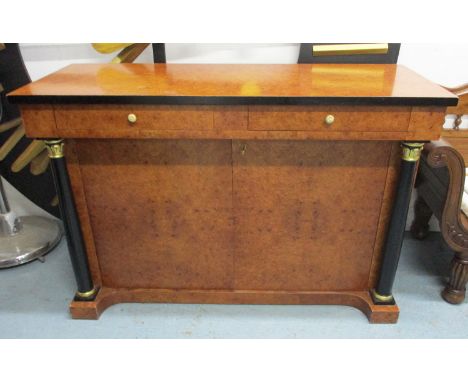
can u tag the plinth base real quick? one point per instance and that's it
(378, 314)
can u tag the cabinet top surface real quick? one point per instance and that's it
(226, 84)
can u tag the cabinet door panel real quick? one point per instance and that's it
(306, 213)
(161, 211)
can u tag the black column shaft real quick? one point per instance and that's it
(392, 248)
(71, 225)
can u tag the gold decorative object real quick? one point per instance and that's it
(109, 47)
(132, 118)
(129, 54)
(87, 294)
(55, 148)
(348, 49)
(411, 151)
(380, 297)
(329, 119)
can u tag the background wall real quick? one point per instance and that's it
(445, 64)
(442, 63)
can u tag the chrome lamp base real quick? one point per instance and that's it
(34, 237)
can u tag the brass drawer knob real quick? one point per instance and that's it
(132, 118)
(329, 119)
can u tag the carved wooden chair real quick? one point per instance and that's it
(441, 192)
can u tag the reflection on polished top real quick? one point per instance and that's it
(235, 84)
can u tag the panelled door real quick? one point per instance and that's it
(306, 213)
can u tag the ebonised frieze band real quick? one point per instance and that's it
(230, 100)
(75, 242)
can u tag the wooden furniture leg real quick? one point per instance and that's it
(86, 290)
(422, 215)
(454, 292)
(382, 294)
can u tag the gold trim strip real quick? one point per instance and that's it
(55, 148)
(87, 294)
(411, 152)
(348, 49)
(381, 297)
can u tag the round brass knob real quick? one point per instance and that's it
(132, 118)
(329, 119)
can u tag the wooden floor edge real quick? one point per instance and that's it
(385, 314)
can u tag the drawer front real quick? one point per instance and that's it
(340, 118)
(105, 117)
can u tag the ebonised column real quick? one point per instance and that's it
(382, 294)
(76, 247)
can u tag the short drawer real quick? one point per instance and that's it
(340, 118)
(121, 117)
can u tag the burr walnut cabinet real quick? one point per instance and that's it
(259, 184)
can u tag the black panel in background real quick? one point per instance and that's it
(13, 74)
(39, 189)
(391, 57)
(159, 53)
